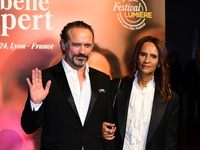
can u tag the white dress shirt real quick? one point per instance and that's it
(139, 114)
(81, 94)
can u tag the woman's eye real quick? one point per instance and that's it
(142, 54)
(153, 56)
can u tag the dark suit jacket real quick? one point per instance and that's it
(163, 122)
(59, 118)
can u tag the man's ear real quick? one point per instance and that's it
(63, 45)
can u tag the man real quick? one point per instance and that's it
(75, 100)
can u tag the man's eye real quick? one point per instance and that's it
(76, 44)
(87, 45)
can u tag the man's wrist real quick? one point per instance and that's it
(35, 107)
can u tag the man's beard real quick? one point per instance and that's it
(79, 62)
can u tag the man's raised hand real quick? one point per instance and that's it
(37, 92)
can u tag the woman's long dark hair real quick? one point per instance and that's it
(161, 74)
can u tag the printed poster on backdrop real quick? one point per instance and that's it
(30, 36)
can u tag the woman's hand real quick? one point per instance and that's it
(108, 130)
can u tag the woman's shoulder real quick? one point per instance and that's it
(174, 94)
(174, 97)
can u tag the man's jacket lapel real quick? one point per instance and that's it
(94, 87)
(61, 79)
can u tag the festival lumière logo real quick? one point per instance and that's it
(132, 14)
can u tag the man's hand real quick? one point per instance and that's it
(37, 92)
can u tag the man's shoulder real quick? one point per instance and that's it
(54, 67)
(93, 70)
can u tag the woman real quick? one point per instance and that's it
(146, 109)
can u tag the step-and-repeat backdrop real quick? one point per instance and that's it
(29, 38)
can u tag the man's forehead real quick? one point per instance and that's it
(77, 30)
(80, 33)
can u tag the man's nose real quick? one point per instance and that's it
(82, 49)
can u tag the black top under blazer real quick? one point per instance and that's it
(163, 126)
(59, 118)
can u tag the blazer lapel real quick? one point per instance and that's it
(94, 87)
(61, 79)
(158, 110)
(123, 97)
